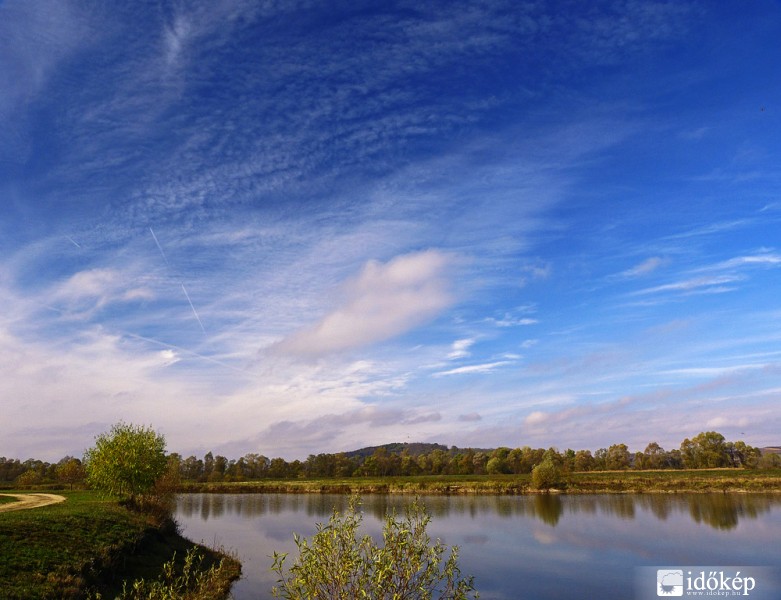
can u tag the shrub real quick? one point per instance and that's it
(338, 565)
(546, 475)
(194, 582)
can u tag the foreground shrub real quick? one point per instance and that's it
(338, 565)
(193, 583)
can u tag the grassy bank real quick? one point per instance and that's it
(705, 480)
(86, 543)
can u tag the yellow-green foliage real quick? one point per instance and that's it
(126, 460)
(337, 564)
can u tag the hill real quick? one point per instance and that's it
(412, 448)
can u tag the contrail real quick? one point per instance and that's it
(159, 247)
(184, 289)
(188, 351)
(72, 241)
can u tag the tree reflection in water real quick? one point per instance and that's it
(720, 511)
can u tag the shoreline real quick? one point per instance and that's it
(600, 482)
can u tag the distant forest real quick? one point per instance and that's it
(706, 450)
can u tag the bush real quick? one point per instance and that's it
(194, 582)
(338, 565)
(546, 475)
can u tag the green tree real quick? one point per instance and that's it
(337, 564)
(617, 457)
(127, 460)
(584, 461)
(546, 474)
(706, 450)
(70, 471)
(654, 456)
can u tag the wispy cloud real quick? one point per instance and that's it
(709, 285)
(767, 259)
(646, 267)
(384, 301)
(460, 348)
(469, 369)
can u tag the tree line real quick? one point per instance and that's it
(706, 450)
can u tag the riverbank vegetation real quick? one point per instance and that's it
(595, 482)
(706, 450)
(89, 544)
(117, 544)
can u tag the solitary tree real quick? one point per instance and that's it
(126, 460)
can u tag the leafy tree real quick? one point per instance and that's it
(496, 466)
(28, 478)
(546, 474)
(70, 471)
(742, 455)
(126, 460)
(338, 565)
(706, 450)
(617, 457)
(654, 456)
(769, 460)
(583, 460)
(191, 468)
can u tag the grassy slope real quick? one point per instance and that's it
(705, 480)
(60, 551)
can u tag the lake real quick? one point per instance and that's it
(537, 547)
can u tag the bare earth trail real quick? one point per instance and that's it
(30, 501)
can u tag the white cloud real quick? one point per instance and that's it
(481, 368)
(509, 321)
(95, 288)
(714, 284)
(767, 259)
(460, 349)
(384, 301)
(535, 271)
(644, 268)
(535, 418)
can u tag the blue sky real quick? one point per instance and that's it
(309, 227)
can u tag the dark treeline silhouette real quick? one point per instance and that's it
(705, 450)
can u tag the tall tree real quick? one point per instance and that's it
(126, 460)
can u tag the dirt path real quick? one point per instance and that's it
(30, 501)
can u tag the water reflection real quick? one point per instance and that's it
(545, 547)
(720, 511)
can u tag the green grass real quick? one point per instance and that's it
(703, 480)
(6, 499)
(86, 542)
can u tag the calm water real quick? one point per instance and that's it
(536, 547)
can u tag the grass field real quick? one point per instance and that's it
(705, 480)
(86, 542)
